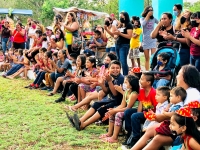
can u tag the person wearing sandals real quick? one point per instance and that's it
(113, 98)
(72, 84)
(116, 114)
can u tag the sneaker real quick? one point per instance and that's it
(60, 100)
(44, 88)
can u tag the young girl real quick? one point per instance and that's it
(18, 59)
(182, 123)
(116, 114)
(39, 71)
(90, 72)
(24, 70)
(48, 81)
(7, 61)
(72, 83)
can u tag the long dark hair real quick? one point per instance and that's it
(191, 76)
(169, 15)
(134, 82)
(61, 35)
(145, 12)
(191, 128)
(196, 112)
(126, 15)
(83, 60)
(92, 60)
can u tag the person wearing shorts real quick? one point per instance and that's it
(134, 52)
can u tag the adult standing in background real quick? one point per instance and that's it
(31, 32)
(114, 20)
(177, 9)
(71, 27)
(147, 22)
(5, 35)
(123, 35)
(108, 34)
(18, 37)
(27, 27)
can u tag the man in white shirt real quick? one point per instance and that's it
(31, 32)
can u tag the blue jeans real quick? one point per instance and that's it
(127, 118)
(4, 46)
(54, 76)
(122, 53)
(184, 57)
(161, 82)
(136, 120)
(110, 49)
(14, 69)
(195, 61)
(40, 77)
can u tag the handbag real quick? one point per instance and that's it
(141, 49)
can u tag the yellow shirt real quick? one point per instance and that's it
(135, 42)
(178, 23)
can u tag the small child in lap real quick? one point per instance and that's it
(162, 79)
(116, 114)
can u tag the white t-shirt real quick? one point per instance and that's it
(114, 23)
(45, 44)
(192, 95)
(31, 32)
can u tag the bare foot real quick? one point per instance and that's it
(24, 78)
(10, 77)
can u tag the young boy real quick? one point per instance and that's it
(162, 79)
(177, 96)
(113, 98)
(134, 117)
(93, 43)
(162, 97)
(135, 43)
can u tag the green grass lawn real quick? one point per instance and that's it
(31, 120)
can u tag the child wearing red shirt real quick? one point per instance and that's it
(134, 117)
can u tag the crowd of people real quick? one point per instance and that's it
(154, 114)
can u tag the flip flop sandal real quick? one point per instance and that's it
(109, 140)
(70, 119)
(77, 122)
(104, 136)
(50, 94)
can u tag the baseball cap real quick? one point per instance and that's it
(49, 28)
(112, 15)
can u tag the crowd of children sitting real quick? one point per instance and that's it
(141, 103)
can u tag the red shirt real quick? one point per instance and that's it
(195, 49)
(149, 101)
(17, 37)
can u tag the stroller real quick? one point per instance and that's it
(172, 48)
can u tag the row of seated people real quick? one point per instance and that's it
(135, 102)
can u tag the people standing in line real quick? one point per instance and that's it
(147, 22)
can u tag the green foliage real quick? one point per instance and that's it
(193, 7)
